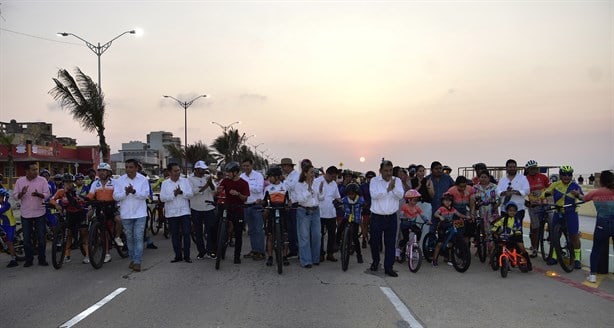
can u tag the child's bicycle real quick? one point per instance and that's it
(413, 253)
(507, 259)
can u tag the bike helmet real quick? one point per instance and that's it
(448, 196)
(412, 193)
(104, 166)
(58, 177)
(45, 171)
(530, 163)
(370, 174)
(4, 192)
(565, 169)
(447, 168)
(68, 178)
(274, 171)
(352, 188)
(79, 176)
(232, 167)
(510, 204)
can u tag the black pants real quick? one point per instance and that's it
(329, 225)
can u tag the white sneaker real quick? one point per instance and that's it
(107, 258)
(119, 242)
(591, 278)
(67, 259)
(86, 260)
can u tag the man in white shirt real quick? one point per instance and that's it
(328, 215)
(386, 192)
(253, 209)
(513, 187)
(203, 210)
(176, 192)
(291, 179)
(131, 191)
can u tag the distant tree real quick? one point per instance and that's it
(195, 152)
(228, 145)
(7, 141)
(80, 96)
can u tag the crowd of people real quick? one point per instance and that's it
(316, 204)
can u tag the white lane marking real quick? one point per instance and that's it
(91, 309)
(401, 308)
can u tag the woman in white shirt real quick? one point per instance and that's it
(308, 197)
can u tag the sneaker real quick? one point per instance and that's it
(269, 261)
(27, 264)
(450, 263)
(86, 260)
(258, 257)
(12, 264)
(136, 267)
(551, 261)
(331, 258)
(435, 264)
(231, 243)
(67, 259)
(43, 263)
(119, 242)
(212, 256)
(237, 260)
(364, 243)
(533, 253)
(107, 258)
(591, 278)
(249, 255)
(577, 265)
(359, 258)
(292, 255)
(152, 246)
(285, 261)
(201, 256)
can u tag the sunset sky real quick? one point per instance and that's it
(454, 81)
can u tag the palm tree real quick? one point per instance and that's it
(196, 152)
(7, 141)
(81, 97)
(228, 145)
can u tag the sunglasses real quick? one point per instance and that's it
(566, 174)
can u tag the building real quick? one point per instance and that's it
(158, 140)
(153, 155)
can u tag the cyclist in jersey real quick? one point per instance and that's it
(102, 190)
(275, 193)
(463, 196)
(8, 223)
(566, 192)
(443, 218)
(236, 191)
(353, 204)
(508, 225)
(537, 183)
(411, 211)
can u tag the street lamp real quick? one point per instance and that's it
(244, 138)
(226, 127)
(98, 50)
(185, 105)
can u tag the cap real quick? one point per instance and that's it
(286, 161)
(200, 165)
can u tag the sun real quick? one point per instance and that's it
(362, 159)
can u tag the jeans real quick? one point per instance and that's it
(135, 230)
(255, 227)
(40, 226)
(209, 220)
(180, 228)
(604, 230)
(329, 225)
(309, 234)
(292, 231)
(386, 224)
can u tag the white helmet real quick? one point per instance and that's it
(105, 166)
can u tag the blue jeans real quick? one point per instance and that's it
(604, 230)
(309, 234)
(255, 227)
(386, 224)
(40, 226)
(135, 230)
(180, 229)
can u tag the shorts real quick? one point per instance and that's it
(10, 231)
(573, 224)
(76, 220)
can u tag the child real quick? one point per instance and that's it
(275, 196)
(509, 226)
(352, 207)
(444, 216)
(8, 225)
(75, 215)
(411, 211)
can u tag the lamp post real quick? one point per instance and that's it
(97, 49)
(225, 127)
(185, 105)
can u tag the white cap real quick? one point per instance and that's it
(200, 165)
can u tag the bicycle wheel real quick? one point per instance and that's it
(461, 256)
(20, 254)
(414, 256)
(481, 243)
(494, 259)
(563, 247)
(166, 232)
(122, 250)
(58, 246)
(345, 248)
(277, 244)
(155, 223)
(544, 240)
(428, 245)
(505, 266)
(97, 242)
(222, 234)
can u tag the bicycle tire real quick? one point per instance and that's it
(20, 254)
(58, 245)
(505, 266)
(461, 256)
(221, 243)
(414, 256)
(97, 242)
(428, 245)
(481, 244)
(277, 244)
(155, 224)
(122, 250)
(166, 231)
(563, 247)
(544, 240)
(494, 258)
(345, 248)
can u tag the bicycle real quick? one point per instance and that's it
(102, 234)
(17, 244)
(61, 234)
(280, 240)
(561, 240)
(413, 253)
(509, 259)
(158, 220)
(544, 233)
(222, 234)
(347, 243)
(457, 249)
